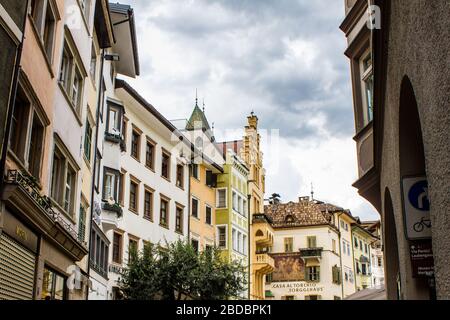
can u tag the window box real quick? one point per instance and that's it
(113, 208)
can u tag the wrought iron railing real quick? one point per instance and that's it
(30, 186)
(311, 252)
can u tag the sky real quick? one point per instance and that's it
(282, 59)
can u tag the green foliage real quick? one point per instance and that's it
(179, 272)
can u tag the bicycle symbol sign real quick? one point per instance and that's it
(416, 208)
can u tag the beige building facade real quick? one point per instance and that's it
(400, 91)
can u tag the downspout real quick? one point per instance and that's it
(12, 102)
(340, 254)
(94, 171)
(249, 251)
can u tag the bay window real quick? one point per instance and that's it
(367, 86)
(111, 179)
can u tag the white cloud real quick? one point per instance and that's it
(282, 59)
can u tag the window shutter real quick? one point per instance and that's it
(307, 273)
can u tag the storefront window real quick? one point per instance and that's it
(53, 285)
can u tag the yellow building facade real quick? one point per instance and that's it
(362, 247)
(261, 232)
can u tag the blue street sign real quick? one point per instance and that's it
(418, 196)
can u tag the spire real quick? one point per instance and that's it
(312, 192)
(196, 97)
(204, 105)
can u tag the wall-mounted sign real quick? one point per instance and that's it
(299, 287)
(416, 206)
(422, 261)
(288, 267)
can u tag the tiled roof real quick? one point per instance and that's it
(198, 120)
(296, 214)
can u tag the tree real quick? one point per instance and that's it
(179, 272)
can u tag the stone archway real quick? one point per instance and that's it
(412, 163)
(391, 256)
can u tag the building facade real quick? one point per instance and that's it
(306, 253)
(232, 224)
(151, 186)
(398, 60)
(206, 165)
(362, 252)
(40, 196)
(377, 259)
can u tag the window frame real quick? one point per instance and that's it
(218, 240)
(150, 164)
(136, 182)
(136, 145)
(166, 223)
(119, 246)
(179, 218)
(218, 190)
(148, 190)
(166, 154)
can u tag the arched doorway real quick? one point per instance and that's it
(412, 164)
(392, 269)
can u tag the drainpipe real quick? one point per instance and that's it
(12, 102)
(94, 171)
(249, 250)
(340, 253)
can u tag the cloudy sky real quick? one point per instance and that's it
(281, 58)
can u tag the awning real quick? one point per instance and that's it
(377, 293)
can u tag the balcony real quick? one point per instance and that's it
(262, 230)
(263, 263)
(110, 216)
(22, 192)
(311, 253)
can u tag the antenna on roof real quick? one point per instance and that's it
(312, 192)
(204, 105)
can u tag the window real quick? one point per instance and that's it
(244, 243)
(111, 179)
(195, 172)
(194, 208)
(288, 244)
(115, 119)
(222, 236)
(165, 165)
(313, 274)
(132, 249)
(135, 144)
(312, 297)
(150, 155)
(366, 248)
(99, 252)
(195, 245)
(380, 262)
(333, 245)
(180, 176)
(211, 179)
(88, 141)
(27, 129)
(44, 18)
(53, 285)
(344, 247)
(235, 201)
(222, 198)
(361, 245)
(71, 78)
(179, 219)
(356, 243)
(208, 215)
(164, 213)
(234, 239)
(64, 179)
(312, 242)
(363, 269)
(93, 65)
(336, 272)
(121, 188)
(367, 86)
(82, 223)
(148, 205)
(134, 194)
(117, 248)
